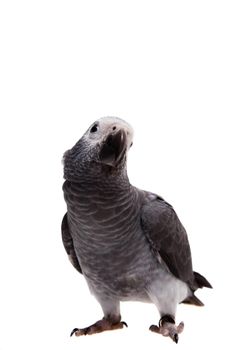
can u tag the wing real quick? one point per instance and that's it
(168, 237)
(68, 244)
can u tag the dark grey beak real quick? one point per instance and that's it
(113, 148)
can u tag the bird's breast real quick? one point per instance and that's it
(112, 250)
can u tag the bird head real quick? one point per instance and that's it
(104, 146)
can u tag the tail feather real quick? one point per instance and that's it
(201, 280)
(193, 300)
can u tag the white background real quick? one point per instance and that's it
(165, 67)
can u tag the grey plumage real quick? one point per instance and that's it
(129, 244)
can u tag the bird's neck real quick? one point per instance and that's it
(99, 189)
(99, 179)
(101, 199)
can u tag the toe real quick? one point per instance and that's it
(154, 328)
(180, 328)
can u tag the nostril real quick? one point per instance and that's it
(114, 128)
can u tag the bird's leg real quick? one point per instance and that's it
(111, 320)
(106, 324)
(168, 328)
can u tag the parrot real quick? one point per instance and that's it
(128, 243)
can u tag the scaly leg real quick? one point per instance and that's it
(106, 324)
(111, 320)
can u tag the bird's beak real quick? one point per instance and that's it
(113, 148)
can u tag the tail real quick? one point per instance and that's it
(193, 300)
(201, 281)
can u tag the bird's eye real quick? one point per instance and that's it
(131, 144)
(94, 128)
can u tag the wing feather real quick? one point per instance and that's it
(68, 244)
(168, 237)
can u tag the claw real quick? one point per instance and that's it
(176, 338)
(125, 324)
(73, 331)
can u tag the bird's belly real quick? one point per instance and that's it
(131, 287)
(121, 278)
(116, 264)
(122, 269)
(147, 281)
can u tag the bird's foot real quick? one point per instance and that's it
(168, 328)
(100, 326)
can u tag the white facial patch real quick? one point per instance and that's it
(106, 126)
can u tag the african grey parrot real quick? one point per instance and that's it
(128, 243)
